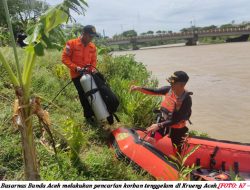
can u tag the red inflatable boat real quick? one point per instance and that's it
(155, 158)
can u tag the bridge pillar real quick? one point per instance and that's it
(134, 44)
(192, 41)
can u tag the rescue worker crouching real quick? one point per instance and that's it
(78, 54)
(175, 108)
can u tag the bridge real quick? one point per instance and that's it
(191, 36)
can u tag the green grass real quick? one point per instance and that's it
(83, 151)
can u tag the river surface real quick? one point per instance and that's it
(219, 78)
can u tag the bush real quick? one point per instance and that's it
(122, 72)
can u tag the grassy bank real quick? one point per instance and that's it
(83, 150)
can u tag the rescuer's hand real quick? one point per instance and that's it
(134, 88)
(154, 127)
(79, 69)
(94, 71)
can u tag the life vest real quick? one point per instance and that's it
(170, 104)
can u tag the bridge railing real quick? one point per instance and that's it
(181, 34)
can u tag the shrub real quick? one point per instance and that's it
(122, 72)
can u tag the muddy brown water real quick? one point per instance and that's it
(219, 78)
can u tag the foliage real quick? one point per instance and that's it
(72, 31)
(4, 36)
(212, 27)
(227, 26)
(122, 72)
(150, 32)
(10, 151)
(76, 141)
(161, 32)
(129, 33)
(21, 12)
(179, 161)
(234, 176)
(197, 133)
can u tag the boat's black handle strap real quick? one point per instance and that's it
(223, 166)
(198, 164)
(236, 168)
(212, 156)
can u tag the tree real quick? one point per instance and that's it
(226, 26)
(75, 29)
(212, 27)
(129, 33)
(21, 11)
(25, 106)
(159, 32)
(191, 29)
(150, 32)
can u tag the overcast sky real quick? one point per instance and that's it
(116, 16)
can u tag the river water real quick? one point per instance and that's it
(219, 78)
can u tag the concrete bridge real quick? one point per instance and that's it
(192, 37)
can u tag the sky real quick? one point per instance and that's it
(112, 17)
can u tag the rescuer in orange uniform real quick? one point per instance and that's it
(175, 108)
(78, 54)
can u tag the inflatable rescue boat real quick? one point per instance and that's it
(155, 158)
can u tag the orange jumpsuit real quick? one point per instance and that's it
(75, 54)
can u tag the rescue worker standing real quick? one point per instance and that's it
(175, 108)
(78, 54)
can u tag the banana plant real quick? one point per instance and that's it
(26, 107)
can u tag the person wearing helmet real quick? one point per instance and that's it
(78, 54)
(175, 108)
